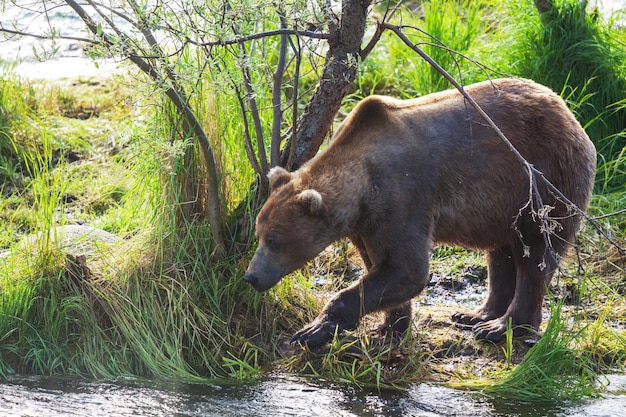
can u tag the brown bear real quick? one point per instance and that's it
(402, 175)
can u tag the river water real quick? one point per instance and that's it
(277, 395)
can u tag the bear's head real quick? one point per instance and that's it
(290, 230)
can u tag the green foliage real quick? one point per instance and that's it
(454, 27)
(581, 55)
(13, 111)
(244, 368)
(446, 30)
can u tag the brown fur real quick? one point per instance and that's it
(400, 176)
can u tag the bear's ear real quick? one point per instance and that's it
(312, 202)
(278, 176)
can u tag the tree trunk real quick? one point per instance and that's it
(543, 6)
(338, 74)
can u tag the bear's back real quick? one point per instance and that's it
(437, 151)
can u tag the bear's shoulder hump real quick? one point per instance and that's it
(373, 109)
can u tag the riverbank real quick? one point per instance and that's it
(98, 176)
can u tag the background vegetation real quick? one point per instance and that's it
(116, 155)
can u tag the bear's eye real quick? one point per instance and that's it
(271, 241)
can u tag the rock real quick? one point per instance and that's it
(73, 239)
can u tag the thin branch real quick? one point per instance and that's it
(380, 29)
(254, 111)
(439, 44)
(250, 97)
(105, 18)
(297, 49)
(252, 157)
(116, 12)
(373, 41)
(91, 25)
(615, 213)
(277, 95)
(189, 41)
(147, 34)
(47, 37)
(247, 137)
(261, 35)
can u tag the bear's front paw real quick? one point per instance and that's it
(317, 333)
(491, 331)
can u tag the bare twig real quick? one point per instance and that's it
(389, 12)
(252, 104)
(266, 34)
(277, 95)
(254, 111)
(615, 213)
(47, 37)
(294, 104)
(247, 137)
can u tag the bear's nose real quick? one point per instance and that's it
(251, 279)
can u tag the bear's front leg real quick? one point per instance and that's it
(381, 289)
(340, 313)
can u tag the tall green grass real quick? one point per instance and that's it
(566, 364)
(445, 29)
(154, 306)
(552, 370)
(581, 54)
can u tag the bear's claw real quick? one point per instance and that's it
(316, 334)
(495, 330)
(494, 334)
(465, 319)
(472, 318)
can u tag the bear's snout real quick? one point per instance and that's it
(265, 270)
(251, 279)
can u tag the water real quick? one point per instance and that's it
(44, 59)
(68, 61)
(278, 395)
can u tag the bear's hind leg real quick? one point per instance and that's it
(534, 272)
(501, 277)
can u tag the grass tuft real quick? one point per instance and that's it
(553, 370)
